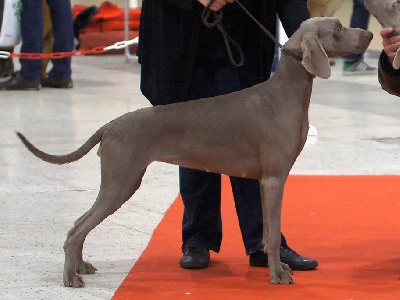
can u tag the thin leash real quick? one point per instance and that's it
(217, 22)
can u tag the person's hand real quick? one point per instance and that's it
(390, 44)
(217, 5)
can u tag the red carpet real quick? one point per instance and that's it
(348, 223)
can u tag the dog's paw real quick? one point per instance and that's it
(85, 268)
(283, 276)
(74, 281)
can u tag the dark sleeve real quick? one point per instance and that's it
(292, 13)
(388, 77)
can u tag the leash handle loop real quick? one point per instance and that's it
(229, 43)
(214, 19)
(206, 15)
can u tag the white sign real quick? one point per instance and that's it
(10, 30)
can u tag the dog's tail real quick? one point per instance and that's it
(66, 158)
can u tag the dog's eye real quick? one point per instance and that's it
(339, 29)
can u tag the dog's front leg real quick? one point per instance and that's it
(271, 197)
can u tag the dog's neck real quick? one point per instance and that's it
(290, 65)
(298, 81)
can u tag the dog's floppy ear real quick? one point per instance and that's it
(396, 61)
(315, 59)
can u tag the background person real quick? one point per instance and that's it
(354, 64)
(29, 76)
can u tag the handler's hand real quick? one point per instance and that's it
(390, 44)
(217, 5)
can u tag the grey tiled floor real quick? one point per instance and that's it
(358, 133)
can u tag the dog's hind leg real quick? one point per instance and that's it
(116, 188)
(82, 267)
(271, 197)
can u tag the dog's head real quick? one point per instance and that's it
(320, 38)
(387, 12)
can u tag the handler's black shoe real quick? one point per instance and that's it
(19, 83)
(195, 258)
(288, 256)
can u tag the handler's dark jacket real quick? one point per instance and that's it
(389, 78)
(172, 35)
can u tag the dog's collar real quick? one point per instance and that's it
(290, 53)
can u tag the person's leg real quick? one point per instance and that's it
(61, 18)
(28, 78)
(360, 16)
(354, 63)
(246, 191)
(248, 207)
(32, 40)
(200, 191)
(201, 195)
(359, 19)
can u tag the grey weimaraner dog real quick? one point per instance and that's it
(257, 133)
(387, 12)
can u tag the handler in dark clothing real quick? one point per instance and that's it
(389, 77)
(184, 60)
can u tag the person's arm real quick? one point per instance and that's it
(388, 76)
(292, 13)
